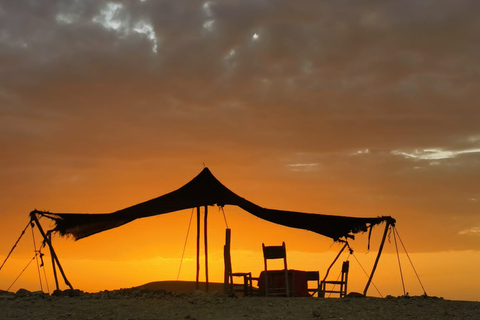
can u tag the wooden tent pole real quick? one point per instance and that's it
(53, 263)
(378, 257)
(334, 260)
(34, 219)
(227, 277)
(198, 248)
(206, 248)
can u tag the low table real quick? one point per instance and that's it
(298, 282)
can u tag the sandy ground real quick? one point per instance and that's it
(144, 304)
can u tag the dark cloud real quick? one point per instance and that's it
(298, 87)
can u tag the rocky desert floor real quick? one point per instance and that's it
(144, 304)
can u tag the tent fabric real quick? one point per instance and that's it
(206, 190)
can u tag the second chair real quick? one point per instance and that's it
(276, 252)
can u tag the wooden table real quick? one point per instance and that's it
(298, 282)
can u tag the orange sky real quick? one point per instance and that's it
(343, 108)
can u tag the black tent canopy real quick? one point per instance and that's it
(206, 190)
(202, 191)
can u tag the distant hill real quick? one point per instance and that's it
(180, 286)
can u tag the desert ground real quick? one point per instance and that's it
(145, 302)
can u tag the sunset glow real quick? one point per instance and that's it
(346, 108)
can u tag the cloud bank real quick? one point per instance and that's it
(382, 97)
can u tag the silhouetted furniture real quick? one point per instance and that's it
(231, 288)
(315, 277)
(297, 282)
(342, 283)
(270, 253)
(246, 288)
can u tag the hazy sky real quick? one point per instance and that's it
(347, 107)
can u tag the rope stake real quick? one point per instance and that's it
(36, 256)
(399, 264)
(411, 263)
(21, 272)
(366, 274)
(13, 248)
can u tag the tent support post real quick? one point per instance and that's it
(206, 248)
(34, 219)
(53, 263)
(227, 277)
(198, 248)
(335, 260)
(387, 226)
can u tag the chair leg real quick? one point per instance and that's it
(287, 280)
(247, 284)
(266, 283)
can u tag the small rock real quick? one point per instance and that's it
(39, 294)
(5, 295)
(317, 313)
(23, 293)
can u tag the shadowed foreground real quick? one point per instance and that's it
(145, 304)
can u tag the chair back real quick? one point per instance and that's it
(313, 276)
(342, 283)
(274, 252)
(271, 253)
(229, 287)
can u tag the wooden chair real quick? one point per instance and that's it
(231, 288)
(246, 288)
(313, 276)
(270, 253)
(342, 283)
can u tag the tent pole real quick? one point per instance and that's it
(34, 219)
(388, 223)
(206, 248)
(227, 277)
(53, 263)
(198, 248)
(335, 260)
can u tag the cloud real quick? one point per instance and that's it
(303, 166)
(360, 152)
(305, 71)
(341, 95)
(283, 43)
(113, 16)
(474, 231)
(434, 154)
